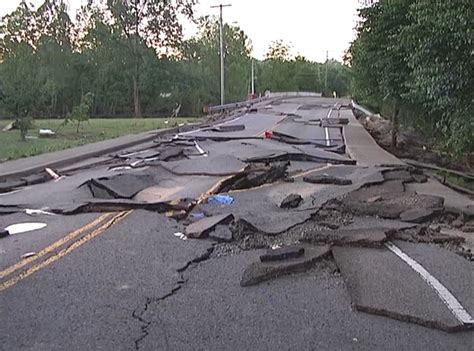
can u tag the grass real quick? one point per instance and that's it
(11, 147)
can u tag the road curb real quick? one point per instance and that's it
(65, 161)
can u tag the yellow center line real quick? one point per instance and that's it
(54, 246)
(114, 220)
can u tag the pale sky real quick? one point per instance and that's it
(311, 26)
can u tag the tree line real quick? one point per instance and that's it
(413, 60)
(130, 59)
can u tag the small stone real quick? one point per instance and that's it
(373, 199)
(291, 201)
(282, 253)
(326, 179)
(4, 233)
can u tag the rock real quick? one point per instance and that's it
(4, 233)
(326, 179)
(291, 201)
(221, 233)
(258, 272)
(373, 199)
(419, 215)
(282, 253)
(204, 226)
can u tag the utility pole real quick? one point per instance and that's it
(221, 31)
(326, 75)
(253, 77)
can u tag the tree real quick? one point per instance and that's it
(279, 51)
(152, 22)
(81, 112)
(19, 81)
(378, 56)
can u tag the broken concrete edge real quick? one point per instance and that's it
(410, 319)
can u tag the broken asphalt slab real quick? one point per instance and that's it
(326, 179)
(121, 186)
(381, 283)
(204, 226)
(373, 237)
(282, 253)
(259, 272)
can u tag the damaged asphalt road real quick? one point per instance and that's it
(260, 230)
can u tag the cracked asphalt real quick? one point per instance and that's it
(114, 269)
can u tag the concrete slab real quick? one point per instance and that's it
(381, 283)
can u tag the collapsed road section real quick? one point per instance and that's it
(290, 179)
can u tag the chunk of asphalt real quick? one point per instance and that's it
(420, 215)
(326, 179)
(391, 206)
(373, 237)
(121, 186)
(171, 153)
(204, 226)
(380, 283)
(221, 233)
(4, 233)
(283, 253)
(291, 201)
(259, 272)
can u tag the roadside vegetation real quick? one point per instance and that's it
(128, 58)
(12, 147)
(412, 60)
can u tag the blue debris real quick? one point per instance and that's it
(221, 200)
(197, 214)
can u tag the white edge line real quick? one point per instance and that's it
(200, 149)
(326, 130)
(445, 295)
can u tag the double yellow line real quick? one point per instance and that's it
(13, 274)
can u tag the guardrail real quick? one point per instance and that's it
(268, 95)
(361, 108)
(234, 105)
(293, 94)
